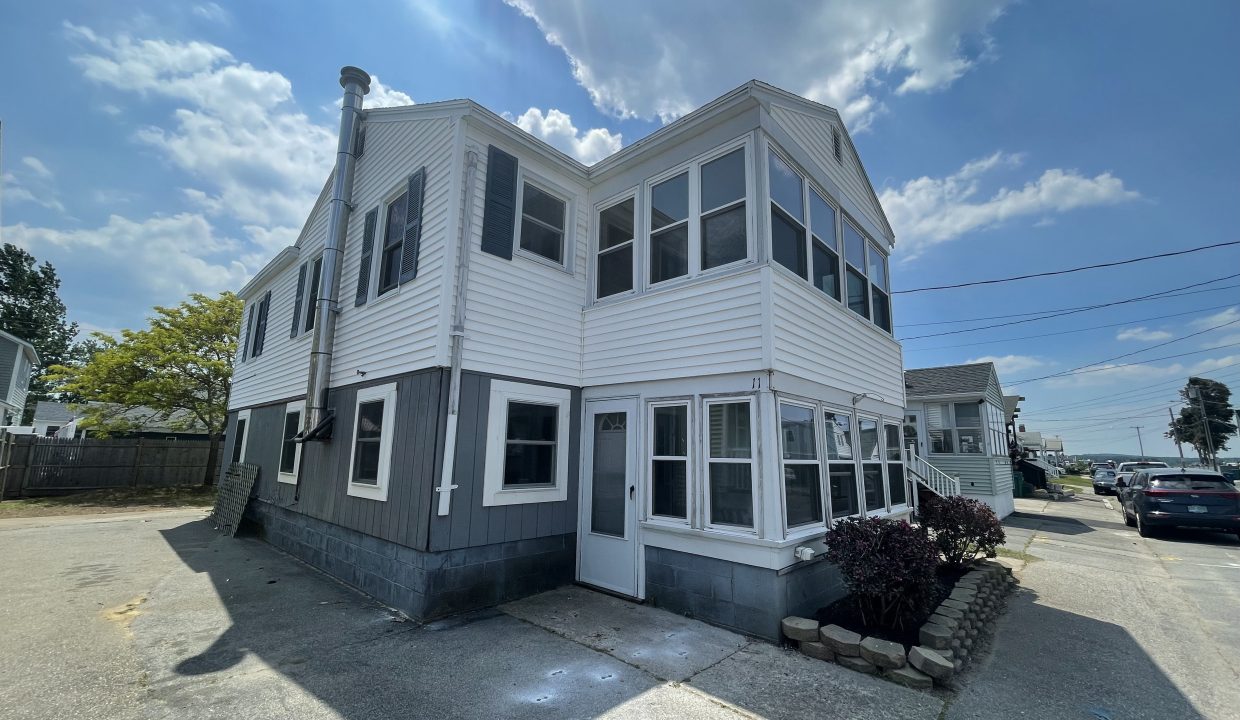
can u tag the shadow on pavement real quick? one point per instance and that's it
(1197, 537)
(1050, 663)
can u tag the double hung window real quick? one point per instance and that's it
(723, 210)
(872, 465)
(393, 241)
(669, 461)
(543, 220)
(826, 247)
(788, 217)
(841, 463)
(799, 449)
(669, 229)
(527, 444)
(616, 239)
(730, 457)
(240, 436)
(312, 299)
(371, 462)
(290, 451)
(897, 487)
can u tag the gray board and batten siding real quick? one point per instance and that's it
(407, 517)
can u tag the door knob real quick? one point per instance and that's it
(632, 492)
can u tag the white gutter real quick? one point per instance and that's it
(457, 335)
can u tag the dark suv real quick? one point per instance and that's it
(1176, 497)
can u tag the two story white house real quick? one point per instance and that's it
(659, 375)
(17, 362)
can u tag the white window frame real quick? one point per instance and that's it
(892, 506)
(502, 393)
(245, 436)
(810, 528)
(386, 393)
(694, 244)
(952, 426)
(599, 208)
(376, 250)
(307, 299)
(754, 472)
(524, 176)
(688, 459)
(854, 429)
(299, 407)
(881, 462)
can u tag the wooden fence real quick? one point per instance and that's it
(31, 465)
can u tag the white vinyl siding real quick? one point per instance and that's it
(711, 326)
(816, 339)
(524, 314)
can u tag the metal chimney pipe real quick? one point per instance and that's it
(356, 83)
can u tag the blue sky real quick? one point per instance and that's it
(166, 148)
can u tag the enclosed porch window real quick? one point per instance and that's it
(956, 428)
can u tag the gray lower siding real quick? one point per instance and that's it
(750, 599)
(423, 585)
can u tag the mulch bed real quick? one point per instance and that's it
(845, 613)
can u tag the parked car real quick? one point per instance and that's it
(1126, 470)
(1104, 481)
(1175, 497)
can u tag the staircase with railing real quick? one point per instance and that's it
(928, 476)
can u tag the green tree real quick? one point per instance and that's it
(1189, 428)
(31, 309)
(180, 366)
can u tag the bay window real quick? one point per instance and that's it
(729, 442)
(802, 485)
(614, 265)
(669, 461)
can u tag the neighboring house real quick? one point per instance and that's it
(955, 420)
(17, 362)
(50, 417)
(659, 375)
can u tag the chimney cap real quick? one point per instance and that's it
(351, 74)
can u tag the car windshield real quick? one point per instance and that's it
(1190, 482)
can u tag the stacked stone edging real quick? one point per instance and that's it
(947, 637)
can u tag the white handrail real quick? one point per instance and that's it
(938, 481)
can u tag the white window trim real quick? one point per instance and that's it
(754, 471)
(893, 507)
(812, 527)
(694, 219)
(687, 403)
(854, 447)
(386, 393)
(245, 436)
(291, 478)
(596, 227)
(863, 461)
(376, 250)
(954, 428)
(308, 298)
(502, 392)
(524, 176)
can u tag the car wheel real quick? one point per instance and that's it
(1143, 529)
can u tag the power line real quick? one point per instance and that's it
(1144, 392)
(1091, 369)
(1069, 332)
(1069, 270)
(1162, 295)
(1137, 352)
(1074, 311)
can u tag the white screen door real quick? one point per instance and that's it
(606, 538)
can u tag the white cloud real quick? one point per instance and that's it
(1005, 364)
(1231, 314)
(557, 129)
(212, 12)
(37, 167)
(1140, 333)
(1225, 341)
(928, 211)
(239, 132)
(381, 95)
(655, 59)
(152, 261)
(1114, 374)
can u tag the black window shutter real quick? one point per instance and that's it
(260, 329)
(412, 244)
(249, 331)
(301, 289)
(361, 143)
(499, 215)
(368, 249)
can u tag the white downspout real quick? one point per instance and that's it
(457, 335)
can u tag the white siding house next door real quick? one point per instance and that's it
(607, 535)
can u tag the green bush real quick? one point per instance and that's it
(889, 567)
(962, 527)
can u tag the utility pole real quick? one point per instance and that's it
(1140, 443)
(1178, 446)
(1194, 393)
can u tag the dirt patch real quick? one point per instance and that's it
(845, 613)
(109, 501)
(124, 615)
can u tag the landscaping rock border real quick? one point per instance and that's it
(946, 638)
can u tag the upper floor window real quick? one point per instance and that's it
(542, 223)
(669, 229)
(393, 240)
(616, 238)
(788, 246)
(723, 210)
(312, 300)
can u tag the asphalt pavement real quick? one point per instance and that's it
(152, 615)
